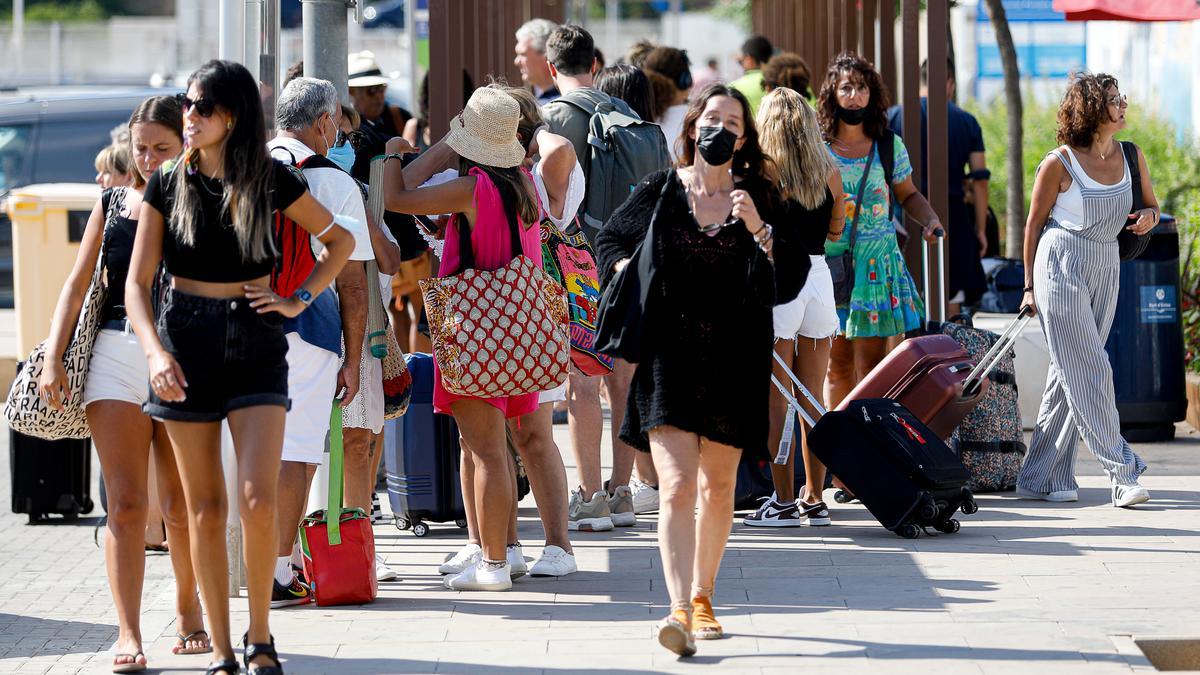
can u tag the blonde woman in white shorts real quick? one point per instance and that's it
(804, 327)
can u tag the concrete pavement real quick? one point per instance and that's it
(1025, 587)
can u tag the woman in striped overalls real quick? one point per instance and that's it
(1081, 200)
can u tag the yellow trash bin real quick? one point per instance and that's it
(48, 221)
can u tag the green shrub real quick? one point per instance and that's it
(65, 11)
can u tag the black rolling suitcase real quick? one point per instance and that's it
(50, 477)
(901, 471)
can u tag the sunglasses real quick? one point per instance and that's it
(205, 107)
(1119, 101)
(356, 139)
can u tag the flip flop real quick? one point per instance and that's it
(182, 650)
(131, 667)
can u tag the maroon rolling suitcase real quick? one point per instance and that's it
(927, 375)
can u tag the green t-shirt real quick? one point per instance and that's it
(751, 85)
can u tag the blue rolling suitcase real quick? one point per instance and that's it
(421, 455)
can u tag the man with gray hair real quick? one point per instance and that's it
(307, 114)
(531, 58)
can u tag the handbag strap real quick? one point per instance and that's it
(1135, 175)
(377, 323)
(333, 507)
(862, 187)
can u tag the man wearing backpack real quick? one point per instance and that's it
(306, 115)
(617, 149)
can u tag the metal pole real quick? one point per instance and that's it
(676, 15)
(410, 32)
(268, 72)
(18, 22)
(253, 34)
(612, 14)
(326, 45)
(56, 53)
(231, 40)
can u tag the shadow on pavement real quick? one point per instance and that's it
(25, 636)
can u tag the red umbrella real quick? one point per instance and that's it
(1127, 10)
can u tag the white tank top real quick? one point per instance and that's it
(1069, 210)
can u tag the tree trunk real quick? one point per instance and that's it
(1015, 201)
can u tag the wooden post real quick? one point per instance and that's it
(911, 100)
(868, 31)
(887, 46)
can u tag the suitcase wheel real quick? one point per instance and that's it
(843, 497)
(402, 523)
(420, 529)
(909, 531)
(969, 507)
(949, 527)
(929, 512)
(461, 523)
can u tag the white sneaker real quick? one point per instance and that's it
(1055, 496)
(516, 561)
(589, 516)
(620, 507)
(382, 571)
(1129, 495)
(645, 498)
(466, 557)
(478, 578)
(555, 562)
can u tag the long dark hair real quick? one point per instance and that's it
(514, 192)
(249, 170)
(631, 85)
(749, 162)
(861, 70)
(164, 110)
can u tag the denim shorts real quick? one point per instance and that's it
(232, 357)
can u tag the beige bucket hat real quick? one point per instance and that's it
(485, 132)
(364, 70)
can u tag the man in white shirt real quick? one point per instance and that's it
(306, 114)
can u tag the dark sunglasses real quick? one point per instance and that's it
(356, 139)
(205, 107)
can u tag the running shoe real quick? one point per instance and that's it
(645, 497)
(480, 577)
(555, 562)
(773, 513)
(382, 571)
(620, 507)
(816, 513)
(516, 561)
(467, 556)
(589, 516)
(1124, 496)
(294, 593)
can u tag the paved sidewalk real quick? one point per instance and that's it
(1024, 588)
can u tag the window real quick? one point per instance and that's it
(14, 149)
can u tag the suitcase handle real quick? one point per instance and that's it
(781, 458)
(941, 265)
(992, 358)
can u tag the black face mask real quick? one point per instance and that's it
(851, 116)
(716, 144)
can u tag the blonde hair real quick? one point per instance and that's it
(790, 135)
(117, 160)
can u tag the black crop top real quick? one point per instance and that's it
(119, 233)
(216, 256)
(814, 225)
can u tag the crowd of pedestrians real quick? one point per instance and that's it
(765, 217)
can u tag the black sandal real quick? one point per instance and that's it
(267, 650)
(226, 666)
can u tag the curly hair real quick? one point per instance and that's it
(1084, 108)
(861, 71)
(750, 161)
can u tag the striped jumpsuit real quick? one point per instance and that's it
(1076, 278)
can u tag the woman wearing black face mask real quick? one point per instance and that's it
(725, 251)
(883, 300)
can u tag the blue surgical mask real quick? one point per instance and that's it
(343, 156)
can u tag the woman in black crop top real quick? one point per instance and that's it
(804, 327)
(115, 390)
(218, 350)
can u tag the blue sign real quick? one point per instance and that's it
(1034, 60)
(1024, 10)
(1158, 304)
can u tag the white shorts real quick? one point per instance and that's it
(117, 370)
(312, 384)
(554, 395)
(813, 314)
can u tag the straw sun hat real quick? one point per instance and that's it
(485, 132)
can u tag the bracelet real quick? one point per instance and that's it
(393, 155)
(759, 231)
(1029, 289)
(770, 232)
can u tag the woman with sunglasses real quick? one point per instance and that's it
(217, 350)
(727, 250)
(113, 395)
(1082, 197)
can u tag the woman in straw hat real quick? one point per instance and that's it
(493, 194)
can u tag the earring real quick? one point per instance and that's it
(229, 125)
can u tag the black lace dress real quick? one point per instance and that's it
(708, 370)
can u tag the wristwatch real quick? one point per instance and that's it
(303, 296)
